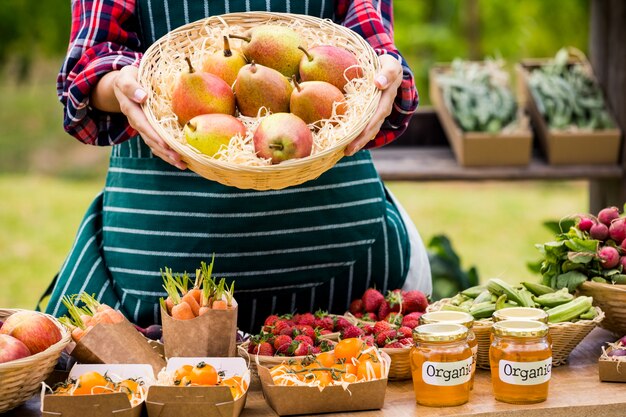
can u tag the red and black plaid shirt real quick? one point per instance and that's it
(103, 39)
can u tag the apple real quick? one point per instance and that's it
(208, 132)
(33, 329)
(282, 136)
(12, 349)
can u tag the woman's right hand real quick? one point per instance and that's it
(130, 95)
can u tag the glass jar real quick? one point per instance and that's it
(441, 365)
(521, 361)
(521, 313)
(456, 317)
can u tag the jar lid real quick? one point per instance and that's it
(440, 332)
(456, 317)
(520, 328)
(520, 313)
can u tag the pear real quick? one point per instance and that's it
(225, 64)
(313, 101)
(208, 132)
(282, 136)
(198, 93)
(329, 63)
(273, 46)
(258, 86)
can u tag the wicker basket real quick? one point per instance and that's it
(22, 378)
(565, 336)
(612, 300)
(191, 39)
(400, 368)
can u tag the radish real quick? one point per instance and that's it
(622, 341)
(622, 262)
(599, 231)
(609, 257)
(607, 215)
(617, 230)
(585, 224)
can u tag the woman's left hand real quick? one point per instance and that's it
(388, 80)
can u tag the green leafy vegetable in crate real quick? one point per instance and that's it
(478, 95)
(568, 96)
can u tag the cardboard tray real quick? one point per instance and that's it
(101, 405)
(611, 370)
(481, 148)
(563, 147)
(294, 400)
(169, 401)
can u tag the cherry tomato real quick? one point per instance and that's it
(204, 374)
(348, 348)
(92, 383)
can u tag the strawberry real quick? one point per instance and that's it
(307, 319)
(279, 325)
(410, 323)
(288, 330)
(372, 299)
(356, 306)
(325, 345)
(394, 318)
(395, 300)
(281, 340)
(283, 350)
(368, 329)
(326, 323)
(369, 340)
(394, 345)
(383, 310)
(351, 331)
(384, 337)
(270, 320)
(304, 329)
(370, 316)
(315, 350)
(381, 326)
(325, 331)
(304, 338)
(413, 301)
(404, 332)
(407, 341)
(341, 323)
(358, 315)
(413, 316)
(301, 349)
(265, 349)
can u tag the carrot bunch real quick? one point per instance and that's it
(206, 294)
(82, 319)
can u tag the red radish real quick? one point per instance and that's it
(609, 257)
(622, 262)
(607, 215)
(622, 341)
(623, 246)
(617, 230)
(599, 231)
(585, 224)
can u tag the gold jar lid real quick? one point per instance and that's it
(520, 328)
(520, 313)
(440, 332)
(456, 317)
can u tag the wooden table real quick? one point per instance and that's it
(575, 391)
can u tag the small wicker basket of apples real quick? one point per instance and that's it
(260, 100)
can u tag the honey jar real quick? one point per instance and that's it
(441, 364)
(521, 361)
(520, 313)
(456, 317)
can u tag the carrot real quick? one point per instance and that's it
(219, 305)
(182, 311)
(169, 304)
(78, 333)
(203, 310)
(86, 319)
(191, 300)
(196, 293)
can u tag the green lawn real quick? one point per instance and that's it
(492, 225)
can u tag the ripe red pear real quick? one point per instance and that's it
(313, 101)
(332, 64)
(224, 64)
(282, 136)
(198, 93)
(208, 132)
(273, 46)
(259, 86)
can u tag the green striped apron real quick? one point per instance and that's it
(316, 245)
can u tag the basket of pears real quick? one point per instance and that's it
(260, 100)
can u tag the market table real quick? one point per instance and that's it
(575, 391)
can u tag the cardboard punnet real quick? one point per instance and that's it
(118, 343)
(505, 148)
(100, 405)
(611, 370)
(564, 147)
(294, 400)
(170, 401)
(212, 334)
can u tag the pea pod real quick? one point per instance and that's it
(589, 314)
(537, 289)
(569, 311)
(483, 297)
(482, 310)
(554, 299)
(498, 287)
(474, 291)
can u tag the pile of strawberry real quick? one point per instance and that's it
(397, 333)
(374, 306)
(296, 335)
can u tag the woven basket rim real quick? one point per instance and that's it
(600, 286)
(231, 168)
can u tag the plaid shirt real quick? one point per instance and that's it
(104, 38)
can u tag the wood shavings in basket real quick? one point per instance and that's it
(206, 39)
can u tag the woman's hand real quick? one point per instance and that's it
(127, 97)
(388, 80)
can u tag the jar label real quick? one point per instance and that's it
(447, 373)
(525, 373)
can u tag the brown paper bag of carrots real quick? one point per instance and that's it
(104, 335)
(201, 321)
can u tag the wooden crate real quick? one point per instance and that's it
(567, 147)
(512, 148)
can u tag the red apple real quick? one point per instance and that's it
(12, 349)
(282, 136)
(33, 329)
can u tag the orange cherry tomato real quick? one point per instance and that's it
(204, 374)
(236, 385)
(92, 383)
(182, 372)
(128, 386)
(326, 359)
(369, 369)
(348, 349)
